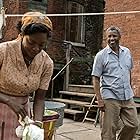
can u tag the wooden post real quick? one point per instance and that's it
(67, 60)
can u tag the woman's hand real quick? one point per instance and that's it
(17, 108)
(13, 104)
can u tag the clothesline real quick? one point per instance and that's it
(79, 14)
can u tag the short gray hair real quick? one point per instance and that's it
(111, 28)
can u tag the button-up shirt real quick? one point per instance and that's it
(114, 72)
(18, 79)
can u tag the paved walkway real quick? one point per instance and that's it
(72, 130)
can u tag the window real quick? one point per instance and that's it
(75, 24)
(38, 5)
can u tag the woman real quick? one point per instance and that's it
(24, 68)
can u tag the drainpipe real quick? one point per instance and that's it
(2, 18)
(1, 3)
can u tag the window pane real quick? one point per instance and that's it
(75, 24)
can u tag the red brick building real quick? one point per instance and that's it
(86, 30)
(64, 28)
(130, 26)
(22, 6)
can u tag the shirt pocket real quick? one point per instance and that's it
(110, 66)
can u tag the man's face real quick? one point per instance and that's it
(113, 38)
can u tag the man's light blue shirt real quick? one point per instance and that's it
(114, 72)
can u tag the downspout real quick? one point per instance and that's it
(2, 18)
(1, 3)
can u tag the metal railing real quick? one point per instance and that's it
(57, 76)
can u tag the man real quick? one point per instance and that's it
(111, 80)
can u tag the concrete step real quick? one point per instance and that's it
(77, 94)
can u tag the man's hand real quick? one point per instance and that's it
(101, 105)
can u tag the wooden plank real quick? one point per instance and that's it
(76, 44)
(76, 94)
(137, 105)
(81, 88)
(71, 111)
(85, 86)
(90, 119)
(92, 106)
(74, 102)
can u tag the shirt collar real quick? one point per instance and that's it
(109, 50)
(20, 60)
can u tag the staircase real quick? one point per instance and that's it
(78, 100)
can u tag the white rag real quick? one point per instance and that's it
(29, 131)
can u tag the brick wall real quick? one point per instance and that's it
(13, 7)
(21, 6)
(55, 50)
(130, 26)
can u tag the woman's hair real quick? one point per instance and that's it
(33, 28)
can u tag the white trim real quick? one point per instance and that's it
(79, 14)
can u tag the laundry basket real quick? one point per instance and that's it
(59, 108)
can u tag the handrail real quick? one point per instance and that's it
(58, 75)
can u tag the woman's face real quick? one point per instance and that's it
(34, 43)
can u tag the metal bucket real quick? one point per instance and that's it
(59, 108)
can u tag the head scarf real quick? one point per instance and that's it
(35, 17)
